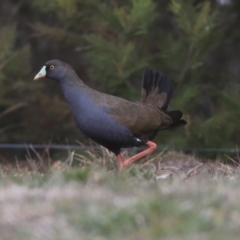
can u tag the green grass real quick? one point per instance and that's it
(171, 196)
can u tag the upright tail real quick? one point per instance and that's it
(157, 91)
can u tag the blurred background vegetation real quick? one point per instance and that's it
(110, 43)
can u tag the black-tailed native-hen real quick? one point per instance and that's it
(112, 121)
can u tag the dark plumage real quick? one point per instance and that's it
(114, 122)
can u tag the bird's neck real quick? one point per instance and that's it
(72, 90)
(75, 94)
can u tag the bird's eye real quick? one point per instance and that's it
(51, 67)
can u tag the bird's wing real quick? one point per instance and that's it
(138, 117)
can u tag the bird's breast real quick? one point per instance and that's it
(97, 124)
(93, 119)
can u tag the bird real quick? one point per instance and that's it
(114, 122)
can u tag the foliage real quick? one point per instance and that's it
(110, 43)
(209, 102)
(113, 41)
(116, 51)
(197, 33)
(12, 69)
(21, 102)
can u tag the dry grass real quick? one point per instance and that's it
(164, 165)
(168, 196)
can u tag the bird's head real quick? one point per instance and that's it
(56, 70)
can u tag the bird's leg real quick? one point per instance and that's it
(121, 162)
(124, 163)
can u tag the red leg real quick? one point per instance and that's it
(121, 162)
(124, 163)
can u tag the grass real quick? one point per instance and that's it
(169, 196)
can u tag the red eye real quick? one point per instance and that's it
(51, 67)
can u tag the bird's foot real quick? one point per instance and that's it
(125, 163)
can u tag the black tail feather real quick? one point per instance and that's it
(180, 123)
(155, 83)
(176, 117)
(157, 91)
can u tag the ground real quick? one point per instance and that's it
(168, 196)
